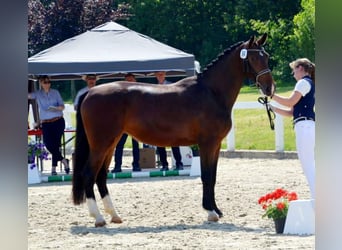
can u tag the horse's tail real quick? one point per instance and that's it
(81, 157)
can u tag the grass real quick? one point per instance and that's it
(252, 129)
(253, 132)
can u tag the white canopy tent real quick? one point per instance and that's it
(110, 50)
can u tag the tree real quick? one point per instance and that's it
(303, 37)
(198, 27)
(52, 21)
(36, 26)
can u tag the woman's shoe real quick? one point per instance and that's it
(53, 172)
(66, 165)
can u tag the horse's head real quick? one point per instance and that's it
(255, 60)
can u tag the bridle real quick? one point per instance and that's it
(263, 100)
(262, 72)
(247, 66)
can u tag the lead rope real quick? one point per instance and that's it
(271, 115)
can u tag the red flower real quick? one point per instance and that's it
(292, 196)
(281, 205)
(276, 203)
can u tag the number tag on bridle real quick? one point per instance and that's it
(243, 54)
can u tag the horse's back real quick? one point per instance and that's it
(121, 95)
(124, 87)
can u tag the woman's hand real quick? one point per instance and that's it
(55, 108)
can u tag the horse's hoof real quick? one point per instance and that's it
(213, 216)
(100, 224)
(116, 220)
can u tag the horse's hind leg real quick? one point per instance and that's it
(94, 212)
(102, 186)
(92, 207)
(89, 181)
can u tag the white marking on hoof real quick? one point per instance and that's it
(100, 223)
(109, 208)
(212, 216)
(94, 212)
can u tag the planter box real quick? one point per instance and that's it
(33, 175)
(147, 158)
(300, 218)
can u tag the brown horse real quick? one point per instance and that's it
(194, 110)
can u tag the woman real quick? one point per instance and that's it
(301, 103)
(51, 108)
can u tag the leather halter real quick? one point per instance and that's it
(263, 100)
(247, 66)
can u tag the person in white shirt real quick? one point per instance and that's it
(91, 82)
(300, 105)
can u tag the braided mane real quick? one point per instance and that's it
(225, 53)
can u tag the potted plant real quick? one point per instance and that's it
(195, 150)
(35, 149)
(276, 205)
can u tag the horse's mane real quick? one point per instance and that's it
(225, 53)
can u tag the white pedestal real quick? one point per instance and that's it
(300, 217)
(195, 166)
(33, 175)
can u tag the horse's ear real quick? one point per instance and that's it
(262, 40)
(251, 41)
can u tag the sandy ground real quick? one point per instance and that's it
(166, 212)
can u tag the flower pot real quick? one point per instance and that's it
(33, 175)
(195, 152)
(279, 225)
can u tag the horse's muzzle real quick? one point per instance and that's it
(270, 90)
(267, 90)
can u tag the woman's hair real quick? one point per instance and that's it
(43, 77)
(308, 66)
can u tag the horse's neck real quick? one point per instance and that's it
(225, 80)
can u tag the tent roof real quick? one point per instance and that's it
(107, 50)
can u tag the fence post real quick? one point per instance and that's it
(278, 127)
(231, 136)
(279, 133)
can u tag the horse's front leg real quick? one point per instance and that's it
(209, 161)
(101, 182)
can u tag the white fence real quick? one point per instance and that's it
(278, 124)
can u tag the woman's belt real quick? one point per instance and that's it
(52, 119)
(302, 118)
